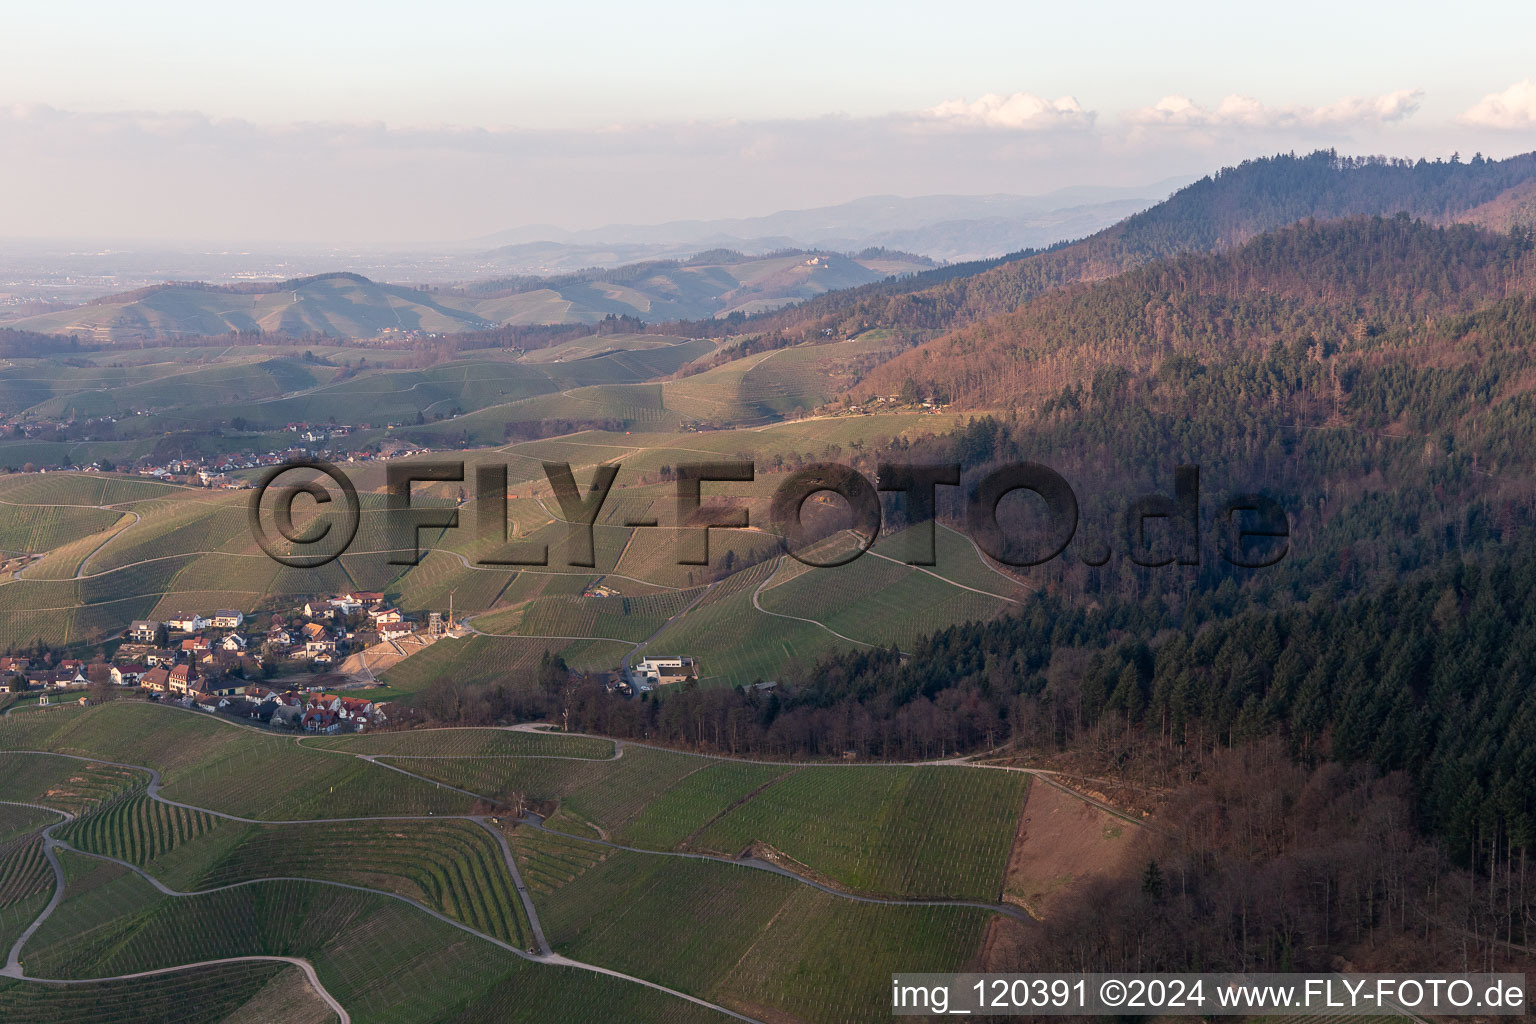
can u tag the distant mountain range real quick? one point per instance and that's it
(351, 305)
(45, 277)
(941, 227)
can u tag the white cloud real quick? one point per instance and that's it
(1238, 111)
(1513, 109)
(1020, 111)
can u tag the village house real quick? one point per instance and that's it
(183, 678)
(128, 675)
(234, 643)
(144, 630)
(193, 646)
(351, 714)
(224, 687)
(321, 720)
(193, 623)
(226, 618)
(58, 678)
(385, 616)
(317, 640)
(396, 631)
(156, 680)
(261, 711)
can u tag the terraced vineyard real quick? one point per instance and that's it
(896, 831)
(744, 937)
(929, 832)
(607, 794)
(326, 891)
(732, 652)
(469, 743)
(701, 796)
(427, 584)
(70, 785)
(878, 602)
(138, 829)
(475, 660)
(200, 995)
(215, 764)
(34, 528)
(16, 820)
(23, 870)
(619, 618)
(453, 866)
(384, 960)
(81, 489)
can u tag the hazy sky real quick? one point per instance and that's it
(392, 122)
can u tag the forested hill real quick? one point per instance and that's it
(1341, 286)
(1219, 211)
(1374, 377)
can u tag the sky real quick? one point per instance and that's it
(397, 123)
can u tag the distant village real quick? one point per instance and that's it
(222, 470)
(208, 661)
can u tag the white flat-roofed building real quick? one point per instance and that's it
(663, 670)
